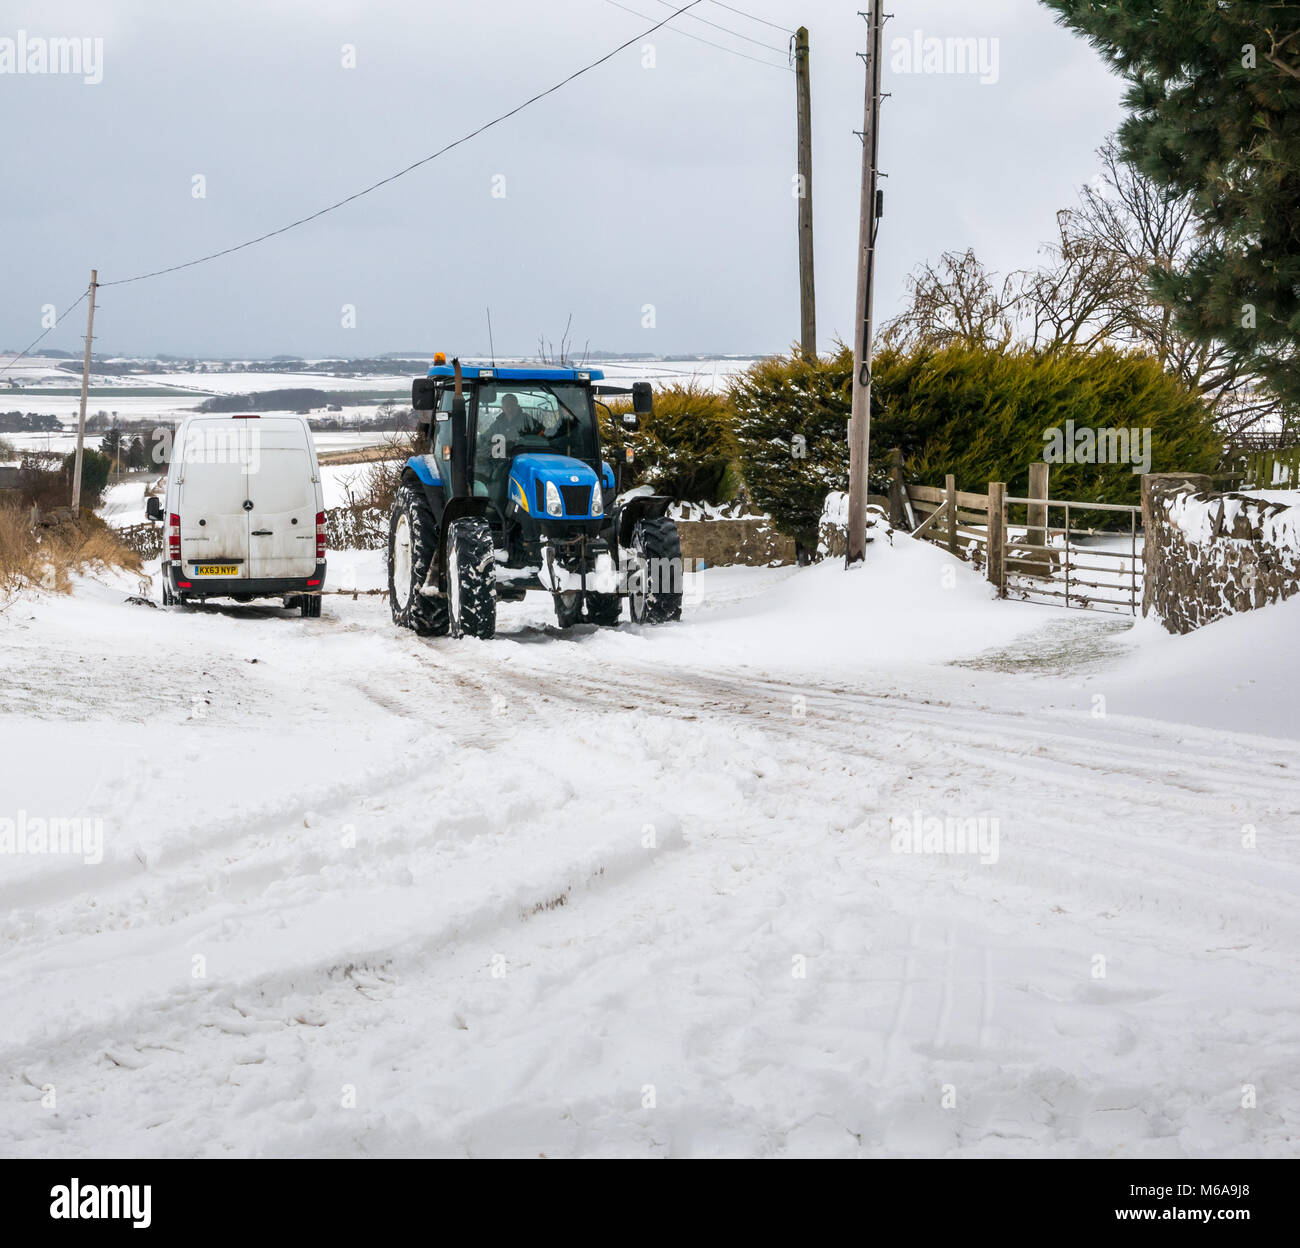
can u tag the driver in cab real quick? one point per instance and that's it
(496, 441)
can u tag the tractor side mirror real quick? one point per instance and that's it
(643, 398)
(424, 397)
(153, 508)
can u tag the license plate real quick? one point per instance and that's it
(216, 569)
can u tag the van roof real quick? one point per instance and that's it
(271, 418)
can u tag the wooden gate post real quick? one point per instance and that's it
(950, 493)
(1036, 530)
(997, 540)
(900, 510)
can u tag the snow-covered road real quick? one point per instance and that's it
(639, 893)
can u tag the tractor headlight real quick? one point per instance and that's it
(554, 507)
(597, 500)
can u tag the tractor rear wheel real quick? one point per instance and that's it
(471, 578)
(412, 545)
(655, 572)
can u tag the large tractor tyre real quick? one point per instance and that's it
(568, 609)
(471, 578)
(655, 578)
(604, 609)
(412, 546)
(309, 605)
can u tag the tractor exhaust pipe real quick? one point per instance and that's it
(459, 437)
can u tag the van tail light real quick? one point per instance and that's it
(320, 535)
(174, 536)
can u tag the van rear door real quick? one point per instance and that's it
(214, 524)
(282, 489)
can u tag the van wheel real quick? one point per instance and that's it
(471, 579)
(309, 605)
(412, 544)
(169, 599)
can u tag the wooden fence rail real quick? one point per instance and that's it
(144, 539)
(1268, 469)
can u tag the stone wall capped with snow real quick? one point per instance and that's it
(833, 527)
(1210, 555)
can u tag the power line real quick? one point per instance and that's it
(35, 341)
(496, 121)
(752, 18)
(726, 30)
(686, 34)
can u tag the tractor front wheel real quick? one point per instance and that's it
(654, 575)
(471, 578)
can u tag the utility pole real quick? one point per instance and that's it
(803, 109)
(860, 420)
(85, 389)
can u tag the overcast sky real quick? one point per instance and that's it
(658, 180)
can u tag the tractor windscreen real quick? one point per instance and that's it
(549, 418)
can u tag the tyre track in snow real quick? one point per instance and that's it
(1158, 786)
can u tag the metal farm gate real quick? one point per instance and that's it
(1091, 557)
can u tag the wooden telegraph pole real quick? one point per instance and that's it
(85, 390)
(803, 109)
(860, 420)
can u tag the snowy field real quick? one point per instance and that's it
(43, 374)
(638, 892)
(326, 441)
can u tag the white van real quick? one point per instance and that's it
(244, 512)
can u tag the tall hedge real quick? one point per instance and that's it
(792, 418)
(683, 449)
(980, 414)
(985, 415)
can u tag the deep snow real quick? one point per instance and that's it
(636, 893)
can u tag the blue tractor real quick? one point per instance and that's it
(510, 493)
